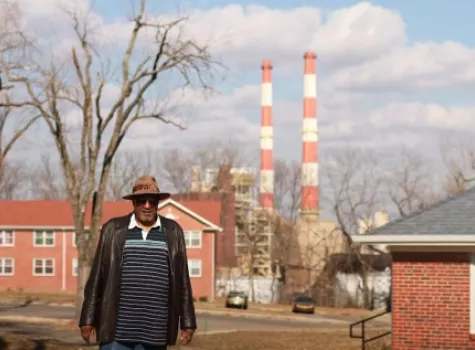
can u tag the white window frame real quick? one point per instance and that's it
(4, 233)
(43, 233)
(190, 267)
(75, 267)
(44, 263)
(193, 234)
(86, 232)
(2, 266)
(472, 293)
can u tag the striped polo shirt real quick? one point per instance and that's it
(144, 291)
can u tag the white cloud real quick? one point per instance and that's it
(244, 35)
(359, 32)
(422, 66)
(363, 52)
(419, 115)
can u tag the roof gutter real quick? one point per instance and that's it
(65, 228)
(213, 229)
(422, 240)
(37, 227)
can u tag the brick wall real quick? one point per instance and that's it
(431, 301)
(225, 241)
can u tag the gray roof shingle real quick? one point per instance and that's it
(454, 215)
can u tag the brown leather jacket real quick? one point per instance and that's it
(101, 294)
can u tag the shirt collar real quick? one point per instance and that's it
(133, 222)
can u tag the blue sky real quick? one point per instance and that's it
(438, 20)
(390, 73)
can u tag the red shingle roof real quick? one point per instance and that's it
(59, 213)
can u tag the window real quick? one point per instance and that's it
(44, 239)
(75, 237)
(75, 267)
(472, 293)
(7, 239)
(193, 239)
(6, 266)
(194, 268)
(43, 267)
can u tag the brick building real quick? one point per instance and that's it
(433, 275)
(38, 250)
(219, 188)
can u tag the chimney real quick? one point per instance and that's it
(310, 189)
(196, 178)
(266, 197)
(225, 179)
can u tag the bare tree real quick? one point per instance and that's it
(176, 164)
(301, 245)
(410, 183)
(48, 88)
(287, 192)
(14, 180)
(126, 167)
(287, 188)
(458, 156)
(12, 44)
(361, 183)
(354, 185)
(45, 182)
(13, 41)
(8, 140)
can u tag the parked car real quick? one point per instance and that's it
(236, 299)
(302, 303)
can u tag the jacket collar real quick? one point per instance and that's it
(133, 222)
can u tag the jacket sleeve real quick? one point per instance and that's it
(187, 307)
(92, 292)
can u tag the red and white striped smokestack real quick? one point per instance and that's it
(310, 189)
(266, 197)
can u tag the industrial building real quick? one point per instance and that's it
(312, 240)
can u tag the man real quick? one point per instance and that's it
(139, 288)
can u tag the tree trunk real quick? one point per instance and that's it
(83, 274)
(366, 290)
(87, 245)
(272, 290)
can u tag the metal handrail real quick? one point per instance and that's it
(364, 341)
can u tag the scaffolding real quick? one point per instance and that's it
(253, 225)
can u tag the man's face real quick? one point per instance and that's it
(145, 209)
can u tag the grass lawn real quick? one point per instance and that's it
(264, 340)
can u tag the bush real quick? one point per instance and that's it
(203, 299)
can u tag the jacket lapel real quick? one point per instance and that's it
(170, 240)
(119, 237)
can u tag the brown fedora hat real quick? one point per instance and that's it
(146, 186)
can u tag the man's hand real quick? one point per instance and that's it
(87, 332)
(186, 336)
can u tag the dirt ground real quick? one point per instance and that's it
(41, 297)
(292, 340)
(10, 341)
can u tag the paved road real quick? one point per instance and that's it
(206, 322)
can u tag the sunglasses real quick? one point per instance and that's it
(144, 201)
